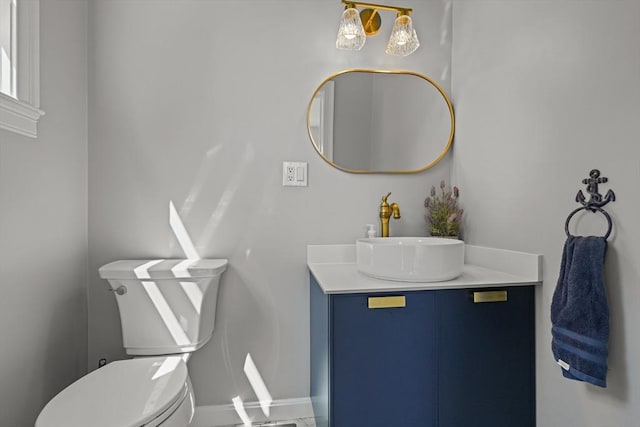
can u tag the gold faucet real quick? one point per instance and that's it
(386, 211)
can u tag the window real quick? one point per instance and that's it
(19, 66)
(8, 48)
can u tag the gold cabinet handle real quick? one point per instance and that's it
(489, 296)
(396, 301)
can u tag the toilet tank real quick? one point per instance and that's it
(166, 306)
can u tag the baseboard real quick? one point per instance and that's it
(225, 415)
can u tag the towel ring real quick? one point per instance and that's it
(592, 209)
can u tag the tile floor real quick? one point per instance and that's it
(302, 422)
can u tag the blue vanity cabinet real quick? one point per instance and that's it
(486, 358)
(377, 365)
(440, 361)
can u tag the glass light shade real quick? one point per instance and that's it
(351, 34)
(404, 40)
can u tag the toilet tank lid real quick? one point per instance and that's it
(163, 269)
(126, 393)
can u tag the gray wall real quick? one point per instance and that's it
(181, 112)
(43, 228)
(544, 91)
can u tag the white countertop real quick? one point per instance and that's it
(334, 267)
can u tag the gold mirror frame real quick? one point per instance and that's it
(362, 171)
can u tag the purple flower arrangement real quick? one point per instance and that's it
(444, 216)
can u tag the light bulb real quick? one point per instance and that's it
(404, 40)
(351, 34)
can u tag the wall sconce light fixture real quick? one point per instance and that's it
(356, 26)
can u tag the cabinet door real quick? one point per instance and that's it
(486, 359)
(319, 349)
(383, 370)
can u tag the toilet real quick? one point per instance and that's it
(167, 311)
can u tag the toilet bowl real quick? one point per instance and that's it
(138, 392)
(167, 311)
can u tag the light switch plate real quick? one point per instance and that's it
(294, 174)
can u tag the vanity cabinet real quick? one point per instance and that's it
(486, 358)
(432, 358)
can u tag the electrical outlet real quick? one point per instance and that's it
(294, 174)
(291, 173)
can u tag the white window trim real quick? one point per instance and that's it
(21, 115)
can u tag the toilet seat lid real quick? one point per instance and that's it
(125, 393)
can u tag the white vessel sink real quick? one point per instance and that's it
(410, 259)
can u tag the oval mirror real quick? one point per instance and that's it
(369, 121)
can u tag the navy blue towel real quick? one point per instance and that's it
(580, 313)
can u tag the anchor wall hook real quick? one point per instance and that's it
(596, 200)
